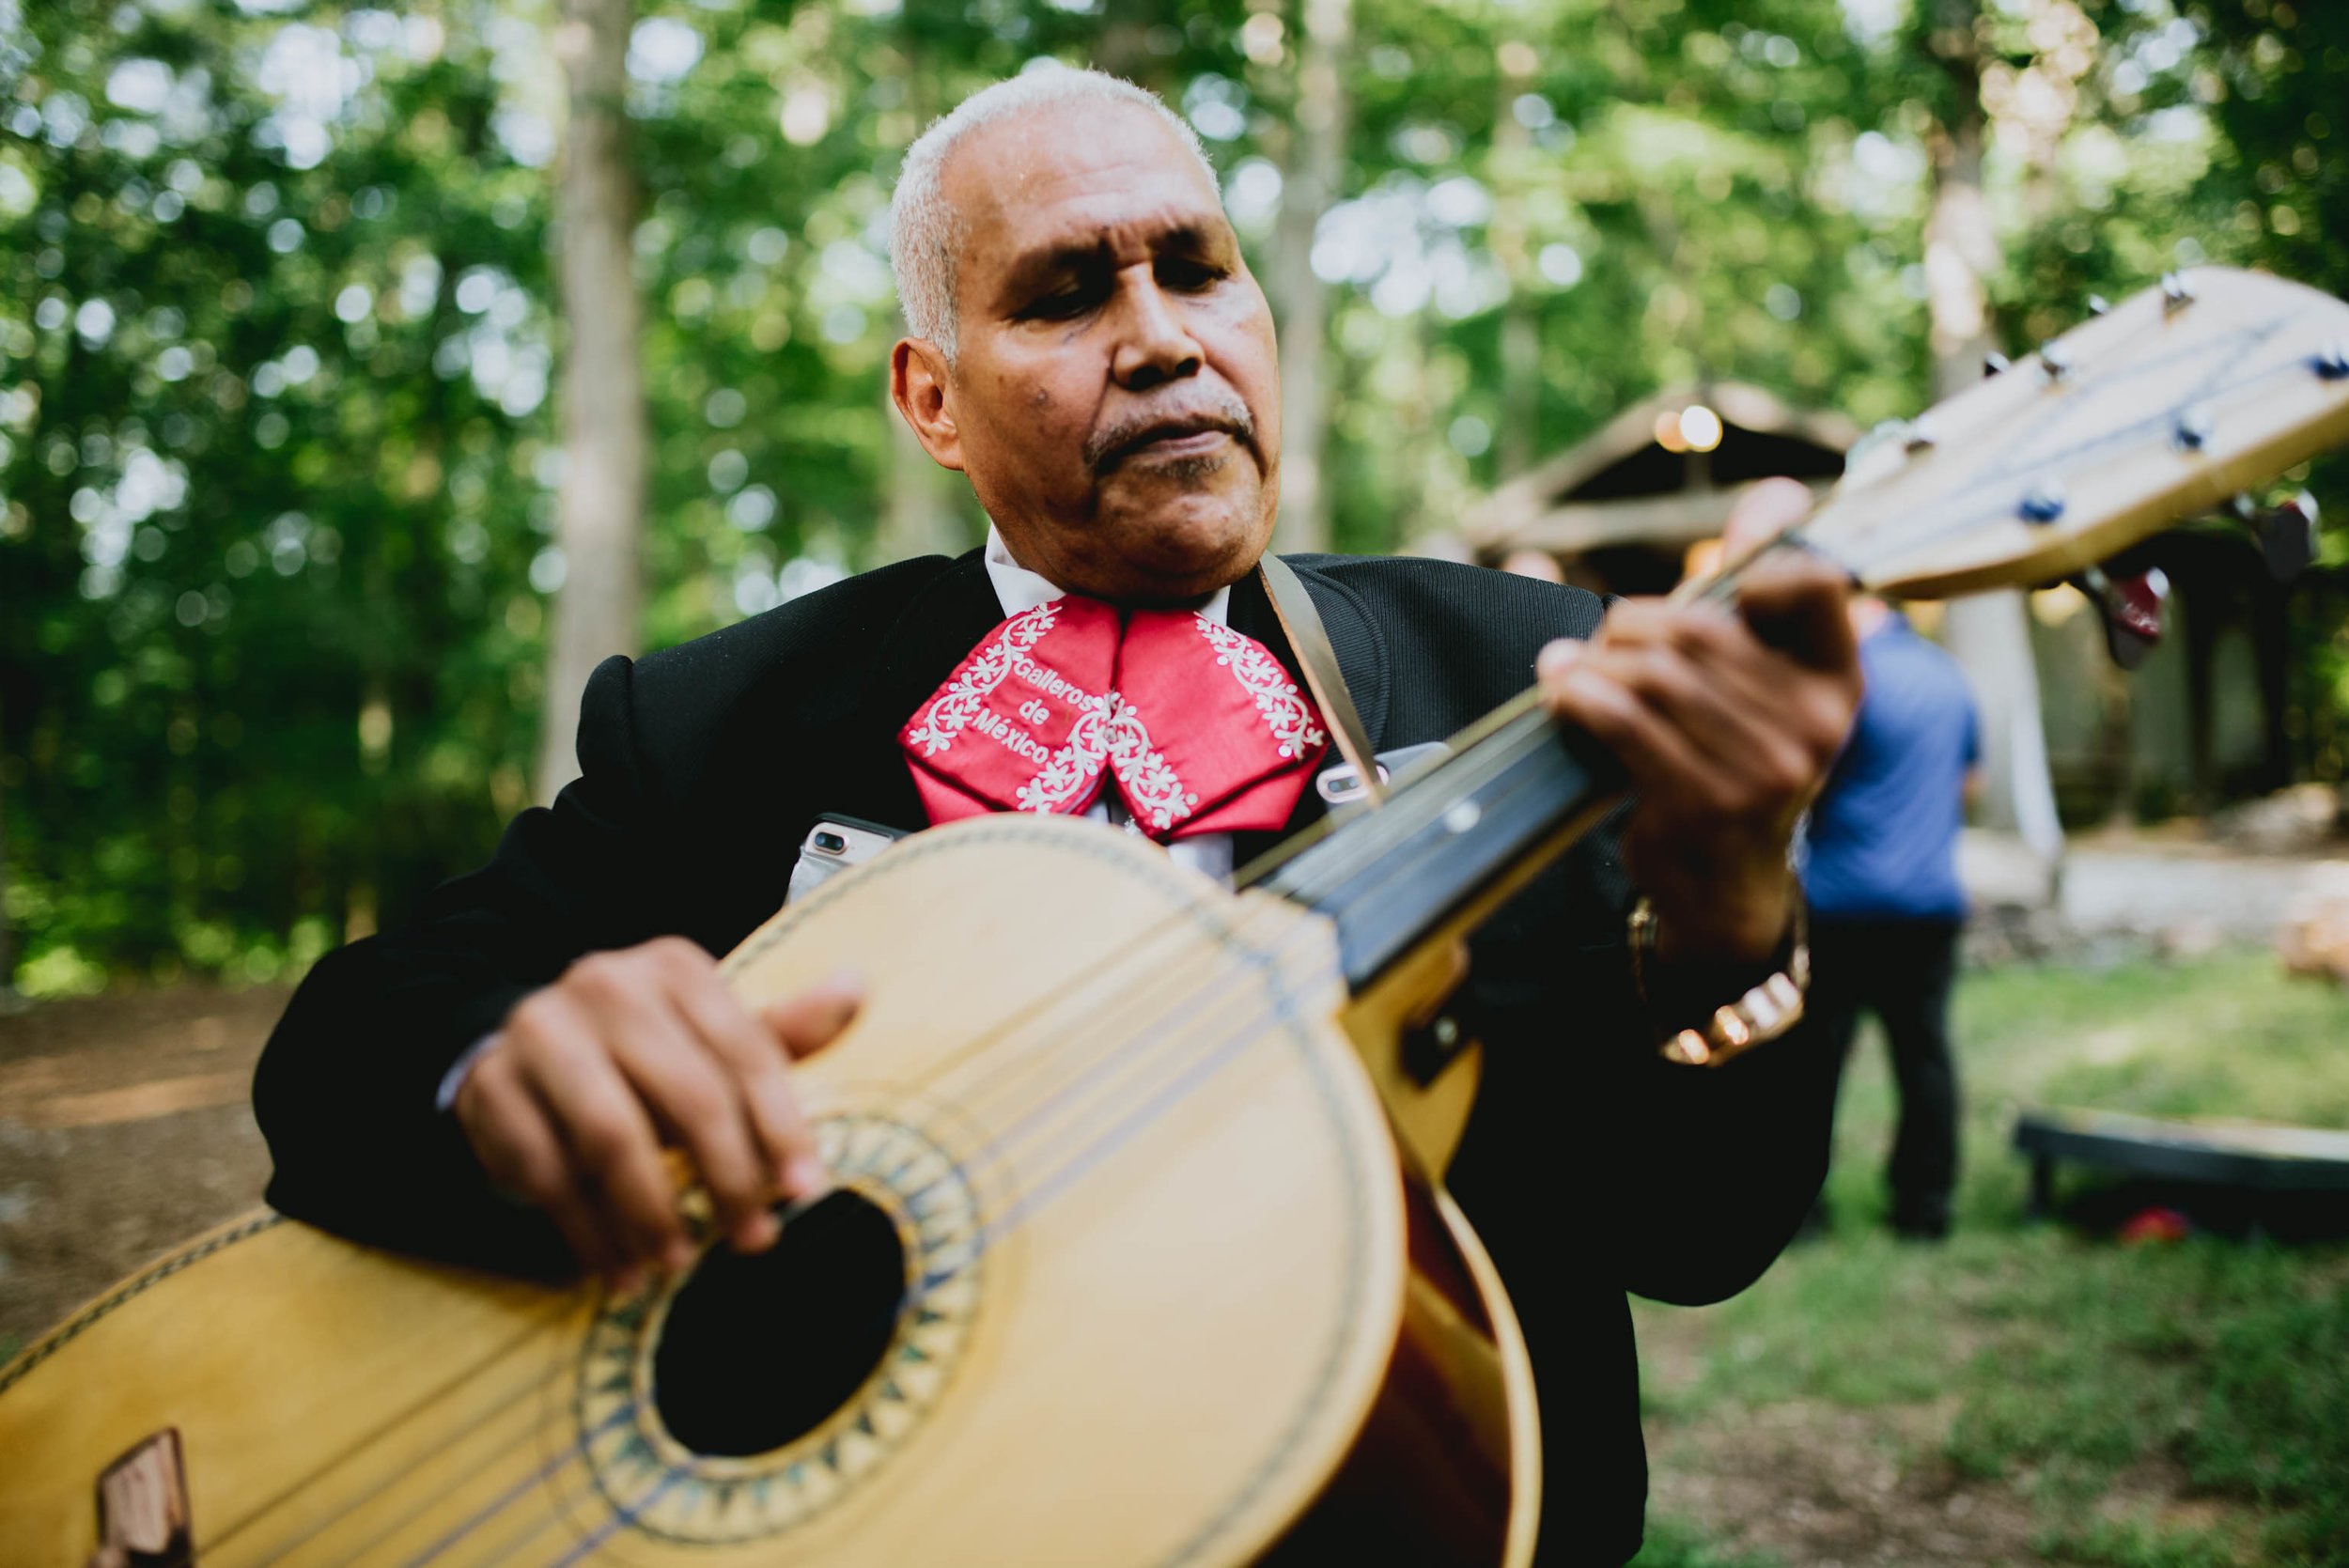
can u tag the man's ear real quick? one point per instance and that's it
(919, 384)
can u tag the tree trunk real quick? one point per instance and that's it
(1301, 302)
(1520, 318)
(1990, 634)
(8, 930)
(600, 505)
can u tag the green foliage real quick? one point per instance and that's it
(276, 443)
(269, 506)
(2153, 1406)
(1671, 1544)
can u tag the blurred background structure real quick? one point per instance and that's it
(304, 550)
(1625, 504)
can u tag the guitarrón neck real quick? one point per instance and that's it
(1450, 845)
(1516, 792)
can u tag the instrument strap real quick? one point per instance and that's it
(1300, 622)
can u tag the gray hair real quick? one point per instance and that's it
(923, 228)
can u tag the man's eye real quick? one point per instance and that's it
(1180, 272)
(1060, 303)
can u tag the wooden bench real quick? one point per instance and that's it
(2247, 1155)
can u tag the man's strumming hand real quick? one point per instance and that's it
(1728, 721)
(573, 1099)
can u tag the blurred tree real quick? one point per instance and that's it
(279, 476)
(1310, 177)
(599, 611)
(1989, 633)
(268, 429)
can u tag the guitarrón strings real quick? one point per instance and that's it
(1165, 1000)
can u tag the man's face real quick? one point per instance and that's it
(1115, 396)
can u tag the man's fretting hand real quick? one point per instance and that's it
(1728, 721)
(572, 1101)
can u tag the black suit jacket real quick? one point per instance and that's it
(1591, 1167)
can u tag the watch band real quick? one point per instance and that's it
(1762, 1014)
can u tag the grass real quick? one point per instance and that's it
(2151, 1406)
(1673, 1545)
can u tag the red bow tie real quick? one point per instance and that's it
(1199, 725)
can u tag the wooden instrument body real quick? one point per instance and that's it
(1166, 1280)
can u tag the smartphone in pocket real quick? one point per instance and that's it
(832, 845)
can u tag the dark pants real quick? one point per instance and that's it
(1900, 970)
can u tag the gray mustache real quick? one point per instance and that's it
(1112, 442)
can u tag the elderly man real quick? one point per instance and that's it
(1088, 346)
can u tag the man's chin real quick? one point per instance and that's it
(1182, 552)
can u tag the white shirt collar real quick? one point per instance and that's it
(1020, 590)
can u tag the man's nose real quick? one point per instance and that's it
(1153, 344)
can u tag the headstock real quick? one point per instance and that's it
(2159, 409)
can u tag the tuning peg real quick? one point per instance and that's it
(2098, 304)
(2057, 357)
(2287, 533)
(2043, 502)
(2133, 607)
(2332, 361)
(1993, 365)
(1885, 450)
(2176, 293)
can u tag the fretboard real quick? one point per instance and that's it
(1516, 792)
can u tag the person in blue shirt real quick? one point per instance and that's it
(1880, 871)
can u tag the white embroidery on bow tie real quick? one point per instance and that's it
(1288, 718)
(1075, 765)
(1153, 790)
(953, 708)
(1110, 731)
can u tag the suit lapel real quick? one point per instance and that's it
(941, 623)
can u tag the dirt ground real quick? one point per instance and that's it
(1810, 1484)
(126, 1126)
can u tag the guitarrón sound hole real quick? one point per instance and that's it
(758, 1350)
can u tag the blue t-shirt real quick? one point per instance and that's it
(1883, 835)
